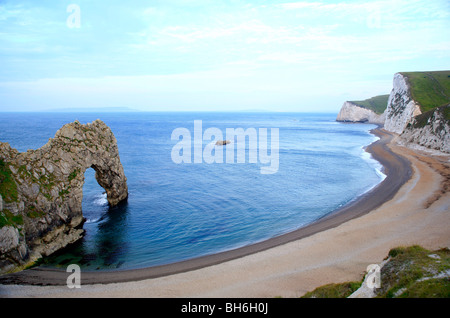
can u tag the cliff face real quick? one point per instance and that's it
(403, 114)
(401, 107)
(351, 112)
(41, 191)
(404, 117)
(430, 130)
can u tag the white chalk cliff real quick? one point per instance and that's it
(401, 107)
(430, 130)
(404, 117)
(351, 112)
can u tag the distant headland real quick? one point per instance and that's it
(417, 109)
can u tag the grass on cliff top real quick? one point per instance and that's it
(416, 272)
(429, 89)
(411, 272)
(342, 290)
(378, 103)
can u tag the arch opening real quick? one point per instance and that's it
(95, 202)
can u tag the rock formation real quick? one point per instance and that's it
(401, 106)
(222, 142)
(41, 191)
(404, 115)
(430, 130)
(351, 112)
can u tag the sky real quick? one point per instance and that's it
(211, 55)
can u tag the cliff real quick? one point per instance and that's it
(417, 109)
(430, 130)
(401, 107)
(41, 191)
(352, 112)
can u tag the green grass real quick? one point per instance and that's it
(8, 187)
(33, 212)
(378, 103)
(429, 89)
(74, 174)
(431, 288)
(9, 219)
(8, 191)
(409, 273)
(342, 290)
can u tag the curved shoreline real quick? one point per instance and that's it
(396, 168)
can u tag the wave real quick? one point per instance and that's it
(101, 200)
(92, 220)
(377, 166)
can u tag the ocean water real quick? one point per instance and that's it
(180, 211)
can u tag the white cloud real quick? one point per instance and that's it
(345, 8)
(236, 50)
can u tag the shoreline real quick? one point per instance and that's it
(397, 169)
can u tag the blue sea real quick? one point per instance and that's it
(181, 211)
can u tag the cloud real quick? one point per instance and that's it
(406, 13)
(206, 50)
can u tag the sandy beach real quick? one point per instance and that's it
(411, 206)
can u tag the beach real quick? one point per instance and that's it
(409, 207)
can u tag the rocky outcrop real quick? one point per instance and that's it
(222, 142)
(430, 130)
(403, 114)
(351, 112)
(404, 117)
(41, 191)
(401, 106)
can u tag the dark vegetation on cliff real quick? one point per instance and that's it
(377, 104)
(422, 120)
(8, 192)
(8, 187)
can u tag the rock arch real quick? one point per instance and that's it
(44, 209)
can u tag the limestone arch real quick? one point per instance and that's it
(50, 187)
